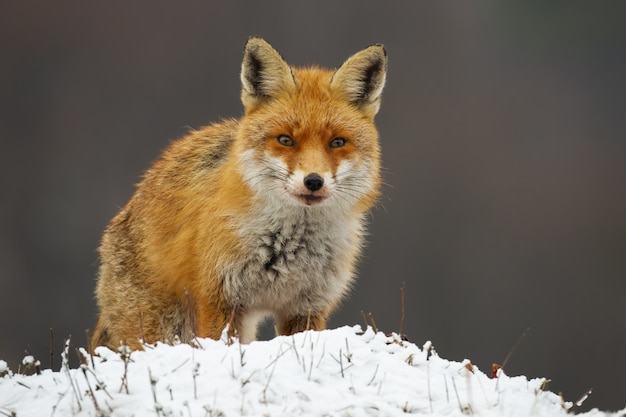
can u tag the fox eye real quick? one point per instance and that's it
(337, 143)
(285, 140)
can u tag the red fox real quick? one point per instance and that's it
(249, 218)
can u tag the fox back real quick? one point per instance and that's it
(243, 219)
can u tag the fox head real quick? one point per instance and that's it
(308, 136)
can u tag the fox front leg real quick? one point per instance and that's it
(294, 324)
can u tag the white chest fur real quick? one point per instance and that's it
(297, 259)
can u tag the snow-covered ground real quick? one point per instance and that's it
(341, 372)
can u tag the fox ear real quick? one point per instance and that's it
(264, 73)
(362, 78)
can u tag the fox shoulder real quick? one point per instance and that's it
(198, 153)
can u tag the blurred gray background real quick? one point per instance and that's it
(504, 144)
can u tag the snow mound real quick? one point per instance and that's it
(341, 372)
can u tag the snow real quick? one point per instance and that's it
(28, 360)
(340, 372)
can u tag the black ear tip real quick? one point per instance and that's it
(254, 38)
(380, 47)
(254, 41)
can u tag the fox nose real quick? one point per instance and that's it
(313, 182)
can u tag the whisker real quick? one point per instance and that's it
(352, 173)
(274, 166)
(355, 194)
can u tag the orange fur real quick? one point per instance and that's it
(224, 230)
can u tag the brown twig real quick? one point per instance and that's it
(401, 310)
(51, 348)
(508, 356)
(371, 317)
(364, 320)
(89, 347)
